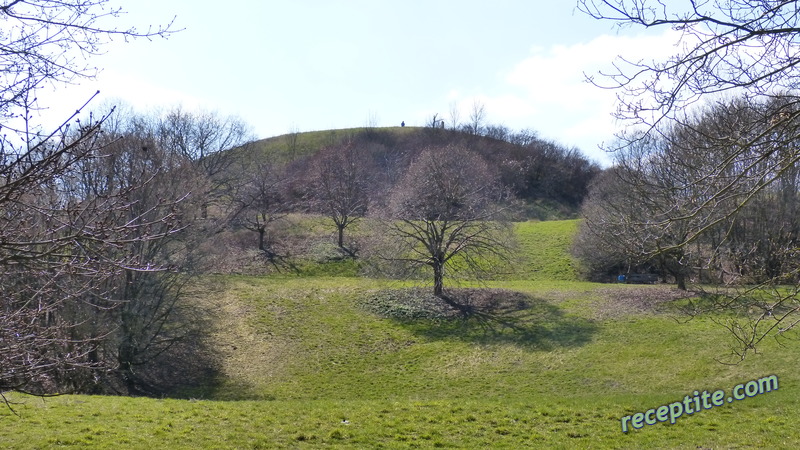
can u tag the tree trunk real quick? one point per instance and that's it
(681, 280)
(125, 358)
(341, 236)
(438, 279)
(261, 233)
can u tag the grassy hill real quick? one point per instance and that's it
(307, 362)
(545, 250)
(549, 180)
(294, 145)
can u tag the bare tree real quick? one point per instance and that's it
(434, 121)
(46, 42)
(371, 124)
(202, 137)
(139, 316)
(622, 230)
(445, 214)
(340, 182)
(262, 204)
(57, 246)
(732, 45)
(455, 115)
(76, 223)
(524, 137)
(499, 132)
(750, 49)
(291, 138)
(713, 198)
(477, 117)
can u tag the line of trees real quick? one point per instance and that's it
(534, 168)
(714, 199)
(99, 236)
(706, 194)
(101, 219)
(80, 218)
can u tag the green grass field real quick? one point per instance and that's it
(308, 364)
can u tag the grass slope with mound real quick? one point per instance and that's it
(318, 362)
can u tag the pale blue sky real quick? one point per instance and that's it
(314, 64)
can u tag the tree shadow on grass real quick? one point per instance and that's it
(485, 316)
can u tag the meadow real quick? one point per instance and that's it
(325, 361)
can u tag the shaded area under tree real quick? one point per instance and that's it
(484, 316)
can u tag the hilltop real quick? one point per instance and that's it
(550, 180)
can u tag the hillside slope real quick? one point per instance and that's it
(307, 363)
(544, 249)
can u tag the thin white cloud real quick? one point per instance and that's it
(548, 90)
(559, 74)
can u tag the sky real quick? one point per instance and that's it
(323, 64)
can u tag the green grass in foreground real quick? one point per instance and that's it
(308, 357)
(556, 422)
(306, 364)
